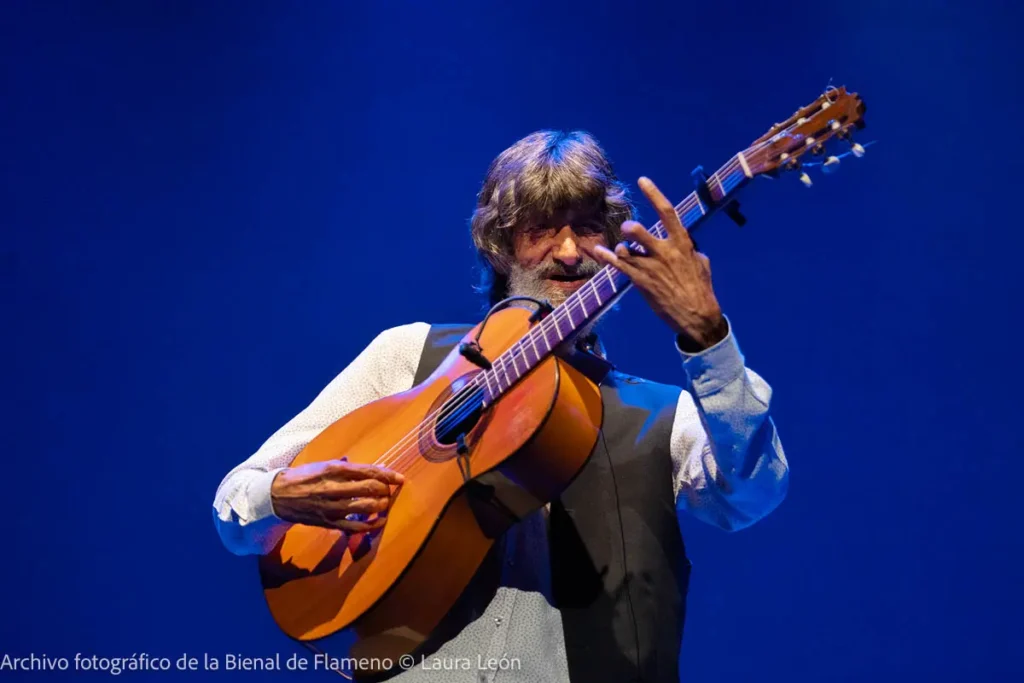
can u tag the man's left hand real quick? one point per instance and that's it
(673, 277)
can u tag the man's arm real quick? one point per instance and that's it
(242, 509)
(728, 465)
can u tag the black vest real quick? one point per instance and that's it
(618, 563)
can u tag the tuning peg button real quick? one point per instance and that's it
(805, 179)
(831, 165)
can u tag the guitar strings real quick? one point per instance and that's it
(406, 458)
(463, 408)
(455, 412)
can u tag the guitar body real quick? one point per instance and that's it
(391, 588)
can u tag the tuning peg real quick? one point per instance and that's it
(805, 179)
(857, 149)
(831, 165)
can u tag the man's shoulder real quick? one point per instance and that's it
(421, 333)
(450, 331)
(401, 336)
(417, 335)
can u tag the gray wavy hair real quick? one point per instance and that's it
(545, 177)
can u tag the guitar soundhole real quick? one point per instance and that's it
(458, 415)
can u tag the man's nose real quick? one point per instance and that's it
(567, 251)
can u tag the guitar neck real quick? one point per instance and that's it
(600, 293)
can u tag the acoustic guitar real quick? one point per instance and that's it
(497, 431)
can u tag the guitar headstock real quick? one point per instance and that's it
(810, 130)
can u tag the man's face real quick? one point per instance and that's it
(551, 262)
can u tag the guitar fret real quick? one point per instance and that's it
(514, 367)
(504, 371)
(743, 164)
(558, 338)
(535, 351)
(720, 185)
(521, 352)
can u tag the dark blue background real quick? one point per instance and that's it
(210, 208)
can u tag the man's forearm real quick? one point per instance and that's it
(731, 470)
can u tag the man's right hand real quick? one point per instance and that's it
(324, 493)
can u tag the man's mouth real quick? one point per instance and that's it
(567, 283)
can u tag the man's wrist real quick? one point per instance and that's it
(714, 367)
(275, 488)
(711, 334)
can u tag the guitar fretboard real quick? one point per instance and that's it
(601, 291)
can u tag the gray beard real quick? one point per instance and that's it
(533, 283)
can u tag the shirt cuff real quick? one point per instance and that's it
(716, 366)
(259, 496)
